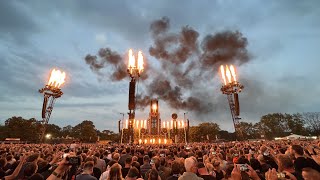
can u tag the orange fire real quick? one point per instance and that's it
(140, 62)
(228, 74)
(233, 73)
(56, 78)
(133, 65)
(223, 74)
(154, 107)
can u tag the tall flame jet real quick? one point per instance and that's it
(57, 78)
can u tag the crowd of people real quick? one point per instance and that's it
(269, 160)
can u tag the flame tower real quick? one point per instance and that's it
(232, 88)
(51, 92)
(134, 71)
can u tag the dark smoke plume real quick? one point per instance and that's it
(224, 47)
(186, 41)
(187, 65)
(108, 57)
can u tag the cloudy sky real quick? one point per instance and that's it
(281, 74)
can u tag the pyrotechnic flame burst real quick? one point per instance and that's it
(57, 78)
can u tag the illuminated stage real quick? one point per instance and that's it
(155, 131)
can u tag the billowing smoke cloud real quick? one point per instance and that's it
(187, 65)
(108, 57)
(224, 47)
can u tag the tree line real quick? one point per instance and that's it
(270, 126)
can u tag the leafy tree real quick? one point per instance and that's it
(85, 131)
(209, 129)
(226, 135)
(194, 135)
(26, 130)
(249, 130)
(273, 125)
(54, 130)
(3, 132)
(312, 120)
(66, 131)
(296, 124)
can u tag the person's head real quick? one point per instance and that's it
(3, 162)
(88, 167)
(284, 162)
(116, 157)
(191, 164)
(135, 164)
(32, 158)
(210, 167)
(9, 157)
(255, 164)
(229, 170)
(115, 172)
(229, 157)
(128, 161)
(155, 163)
(261, 159)
(310, 174)
(153, 175)
(162, 161)
(133, 174)
(215, 163)
(202, 170)
(36, 176)
(134, 158)
(30, 169)
(146, 159)
(128, 150)
(296, 150)
(97, 155)
(175, 167)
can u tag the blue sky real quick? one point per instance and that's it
(36, 36)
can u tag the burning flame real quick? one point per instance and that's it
(164, 125)
(223, 74)
(145, 141)
(233, 73)
(137, 123)
(154, 107)
(140, 62)
(132, 61)
(145, 124)
(182, 124)
(159, 141)
(127, 123)
(168, 125)
(140, 141)
(165, 141)
(56, 78)
(230, 73)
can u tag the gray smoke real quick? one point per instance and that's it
(108, 57)
(187, 65)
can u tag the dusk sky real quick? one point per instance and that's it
(281, 73)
